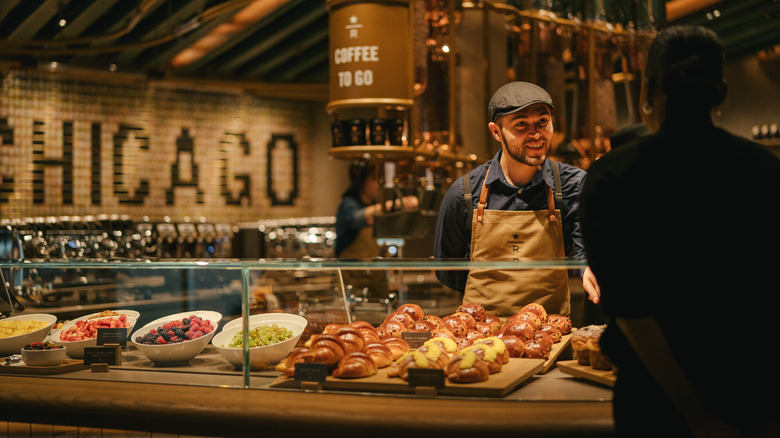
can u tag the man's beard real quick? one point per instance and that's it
(520, 156)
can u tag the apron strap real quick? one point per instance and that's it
(554, 200)
(483, 197)
(467, 196)
(558, 187)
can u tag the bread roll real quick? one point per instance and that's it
(554, 333)
(531, 318)
(562, 323)
(412, 310)
(537, 309)
(513, 344)
(401, 318)
(474, 309)
(521, 329)
(454, 324)
(433, 319)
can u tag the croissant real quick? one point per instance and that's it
(435, 354)
(327, 349)
(355, 365)
(413, 359)
(397, 345)
(331, 328)
(466, 367)
(380, 353)
(498, 345)
(350, 337)
(488, 354)
(369, 332)
(447, 344)
(287, 365)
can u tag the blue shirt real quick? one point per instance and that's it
(452, 239)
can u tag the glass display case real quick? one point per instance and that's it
(321, 291)
(99, 380)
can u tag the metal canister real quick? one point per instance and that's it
(357, 132)
(395, 132)
(377, 129)
(338, 130)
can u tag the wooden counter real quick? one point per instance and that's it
(95, 400)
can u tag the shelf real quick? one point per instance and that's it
(396, 153)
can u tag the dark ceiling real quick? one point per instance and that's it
(286, 45)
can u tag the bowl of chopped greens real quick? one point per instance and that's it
(271, 338)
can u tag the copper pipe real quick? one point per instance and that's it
(676, 9)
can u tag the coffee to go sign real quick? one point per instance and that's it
(370, 53)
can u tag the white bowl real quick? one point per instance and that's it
(277, 316)
(50, 357)
(180, 352)
(13, 344)
(131, 313)
(263, 356)
(76, 348)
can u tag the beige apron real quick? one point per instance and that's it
(364, 247)
(500, 235)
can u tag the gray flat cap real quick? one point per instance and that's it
(515, 96)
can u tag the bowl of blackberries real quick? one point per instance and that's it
(177, 338)
(43, 354)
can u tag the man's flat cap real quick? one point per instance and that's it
(515, 96)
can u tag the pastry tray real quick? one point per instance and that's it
(513, 373)
(66, 366)
(571, 367)
(556, 351)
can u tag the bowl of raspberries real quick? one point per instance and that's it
(43, 354)
(176, 338)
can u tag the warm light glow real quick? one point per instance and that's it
(253, 12)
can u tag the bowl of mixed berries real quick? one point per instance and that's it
(176, 338)
(43, 354)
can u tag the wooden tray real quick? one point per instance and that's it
(556, 351)
(66, 366)
(586, 372)
(512, 374)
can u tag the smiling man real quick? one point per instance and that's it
(518, 205)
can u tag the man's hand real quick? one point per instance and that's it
(590, 285)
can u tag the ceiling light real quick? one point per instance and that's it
(63, 22)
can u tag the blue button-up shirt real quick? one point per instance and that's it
(453, 229)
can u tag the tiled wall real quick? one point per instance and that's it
(75, 146)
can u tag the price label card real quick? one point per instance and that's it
(311, 372)
(93, 355)
(422, 377)
(112, 336)
(415, 339)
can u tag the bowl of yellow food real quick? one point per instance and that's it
(271, 338)
(20, 330)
